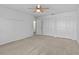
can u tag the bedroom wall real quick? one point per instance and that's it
(14, 25)
(78, 28)
(60, 25)
(78, 25)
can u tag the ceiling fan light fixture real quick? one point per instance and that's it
(38, 10)
(38, 6)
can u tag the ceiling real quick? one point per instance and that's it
(53, 8)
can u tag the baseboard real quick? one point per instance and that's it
(61, 36)
(2, 43)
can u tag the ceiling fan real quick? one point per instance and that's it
(39, 9)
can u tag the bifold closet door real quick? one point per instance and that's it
(66, 26)
(60, 25)
(49, 26)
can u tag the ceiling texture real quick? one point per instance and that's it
(53, 8)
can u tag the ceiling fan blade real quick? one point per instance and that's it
(44, 9)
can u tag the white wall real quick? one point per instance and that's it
(78, 29)
(61, 25)
(14, 25)
(78, 25)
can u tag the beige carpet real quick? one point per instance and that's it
(41, 45)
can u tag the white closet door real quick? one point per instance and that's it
(66, 26)
(61, 25)
(49, 26)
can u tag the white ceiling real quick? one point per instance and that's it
(53, 8)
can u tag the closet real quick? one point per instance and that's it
(59, 25)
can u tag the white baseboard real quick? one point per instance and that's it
(75, 38)
(2, 43)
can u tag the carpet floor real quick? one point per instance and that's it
(41, 45)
